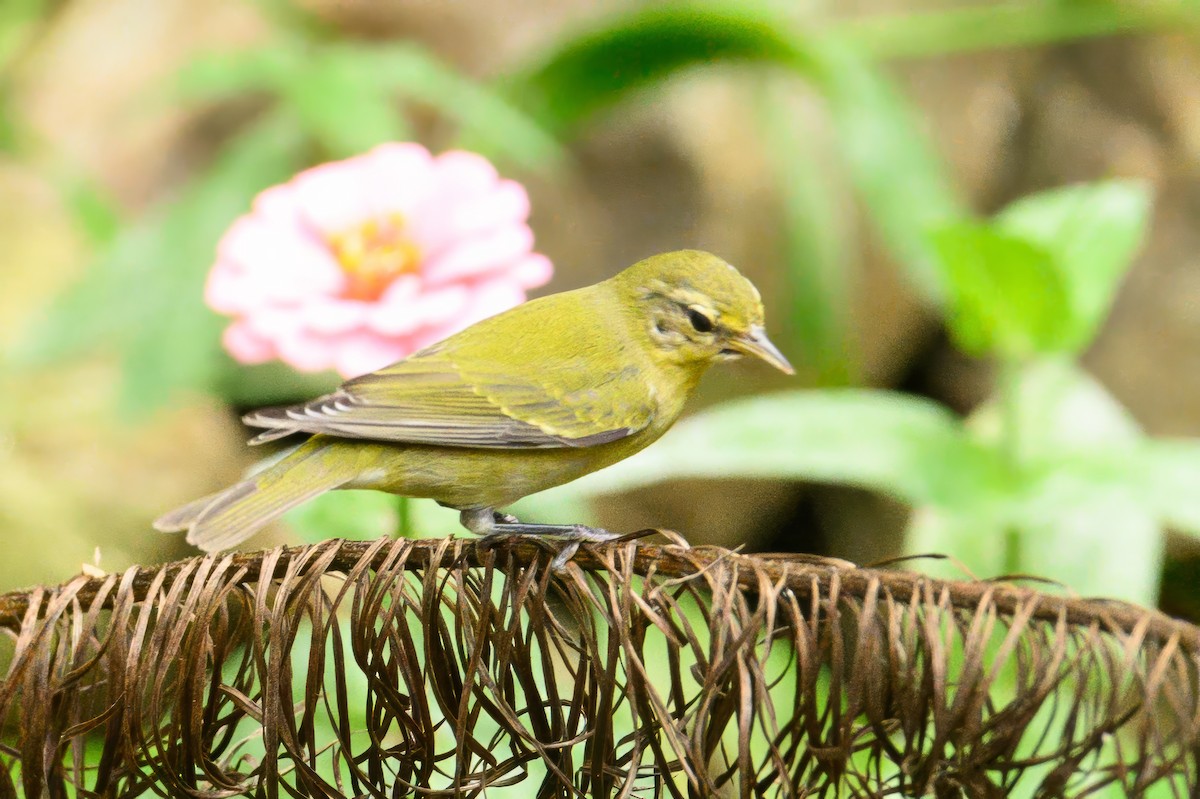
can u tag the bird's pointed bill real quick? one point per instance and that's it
(755, 342)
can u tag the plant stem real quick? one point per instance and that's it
(1005, 25)
(1010, 443)
(403, 518)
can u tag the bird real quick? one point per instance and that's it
(528, 399)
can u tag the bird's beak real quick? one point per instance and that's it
(755, 342)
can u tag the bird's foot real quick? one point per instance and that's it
(494, 524)
(579, 533)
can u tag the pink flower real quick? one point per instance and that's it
(356, 264)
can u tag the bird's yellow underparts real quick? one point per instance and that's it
(528, 399)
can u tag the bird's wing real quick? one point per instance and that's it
(428, 399)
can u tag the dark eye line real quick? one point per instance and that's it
(700, 322)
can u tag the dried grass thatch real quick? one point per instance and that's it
(395, 668)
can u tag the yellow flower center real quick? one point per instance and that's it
(374, 254)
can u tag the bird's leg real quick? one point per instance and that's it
(494, 524)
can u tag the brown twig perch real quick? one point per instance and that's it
(435, 667)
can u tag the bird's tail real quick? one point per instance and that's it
(225, 519)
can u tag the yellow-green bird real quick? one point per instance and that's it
(529, 399)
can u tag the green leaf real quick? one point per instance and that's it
(816, 274)
(369, 514)
(1087, 525)
(891, 162)
(339, 107)
(18, 21)
(1079, 510)
(270, 383)
(145, 294)
(226, 75)
(94, 211)
(903, 446)
(344, 514)
(586, 74)
(958, 28)
(1092, 232)
(1170, 472)
(489, 123)
(1005, 296)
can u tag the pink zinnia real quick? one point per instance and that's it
(356, 264)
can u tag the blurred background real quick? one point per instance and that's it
(840, 154)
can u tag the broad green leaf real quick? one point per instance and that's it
(370, 514)
(906, 447)
(1091, 529)
(225, 75)
(962, 27)
(93, 210)
(430, 520)
(344, 514)
(973, 543)
(892, 164)
(270, 383)
(816, 273)
(1079, 509)
(1005, 296)
(9, 127)
(564, 505)
(17, 21)
(175, 347)
(489, 123)
(144, 295)
(339, 108)
(1061, 410)
(1170, 471)
(589, 73)
(1092, 232)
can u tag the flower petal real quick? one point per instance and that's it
(531, 271)
(406, 315)
(437, 225)
(334, 197)
(226, 291)
(398, 178)
(478, 256)
(463, 174)
(280, 204)
(487, 299)
(245, 345)
(278, 264)
(276, 271)
(336, 315)
(363, 352)
(307, 350)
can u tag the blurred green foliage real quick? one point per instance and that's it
(1050, 477)
(1027, 288)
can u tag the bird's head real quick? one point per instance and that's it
(697, 309)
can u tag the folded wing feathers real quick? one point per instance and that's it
(423, 402)
(445, 423)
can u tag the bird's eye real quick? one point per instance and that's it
(699, 321)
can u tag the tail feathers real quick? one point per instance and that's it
(225, 519)
(184, 517)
